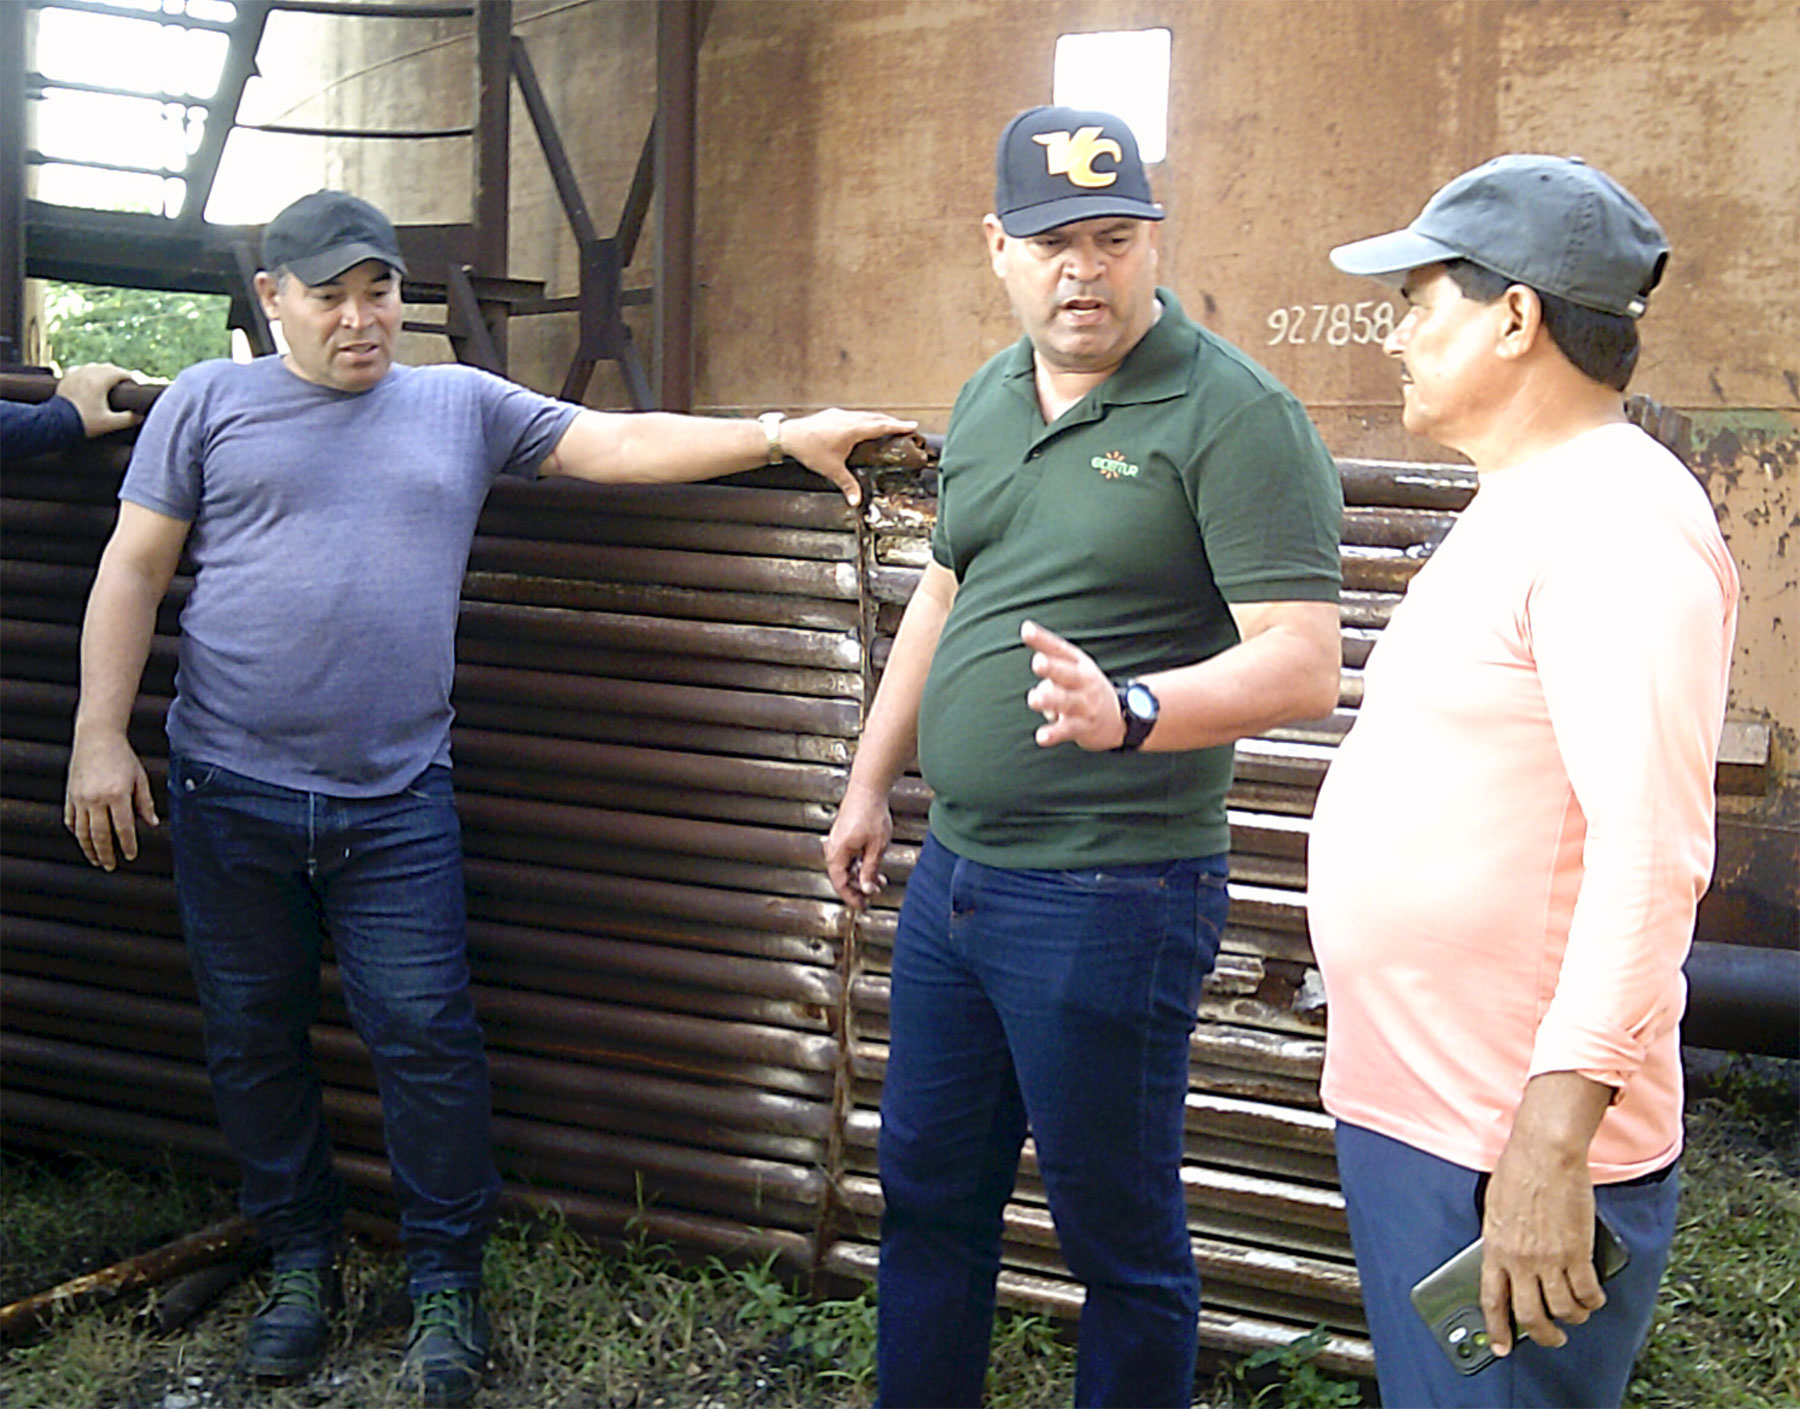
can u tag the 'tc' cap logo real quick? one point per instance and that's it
(1073, 154)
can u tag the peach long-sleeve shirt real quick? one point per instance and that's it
(1508, 850)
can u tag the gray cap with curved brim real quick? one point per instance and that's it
(322, 234)
(1554, 224)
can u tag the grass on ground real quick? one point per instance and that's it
(579, 1328)
(575, 1327)
(1727, 1327)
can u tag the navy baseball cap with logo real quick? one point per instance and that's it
(1055, 166)
(321, 235)
(1554, 224)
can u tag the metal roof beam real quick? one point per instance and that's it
(679, 27)
(376, 9)
(35, 83)
(12, 183)
(424, 134)
(33, 157)
(240, 62)
(181, 21)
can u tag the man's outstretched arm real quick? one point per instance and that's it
(659, 447)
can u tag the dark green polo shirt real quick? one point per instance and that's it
(1189, 479)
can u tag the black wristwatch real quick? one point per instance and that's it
(1138, 708)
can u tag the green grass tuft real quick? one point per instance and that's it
(581, 1327)
(1727, 1327)
(68, 1215)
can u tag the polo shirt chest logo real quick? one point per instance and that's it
(1113, 465)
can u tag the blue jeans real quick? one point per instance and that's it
(1409, 1211)
(1062, 1001)
(263, 875)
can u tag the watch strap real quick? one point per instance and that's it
(1137, 726)
(771, 421)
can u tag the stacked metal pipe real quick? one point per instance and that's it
(658, 695)
(1264, 1211)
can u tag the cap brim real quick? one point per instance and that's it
(1391, 257)
(1034, 220)
(323, 268)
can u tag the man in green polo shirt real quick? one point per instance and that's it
(1135, 564)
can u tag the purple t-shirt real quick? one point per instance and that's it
(331, 531)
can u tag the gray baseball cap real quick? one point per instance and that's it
(321, 235)
(1554, 224)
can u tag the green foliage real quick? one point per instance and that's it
(61, 1217)
(1030, 1364)
(147, 330)
(71, 1215)
(839, 1336)
(1727, 1327)
(82, 1368)
(1301, 1383)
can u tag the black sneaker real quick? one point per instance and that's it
(447, 1348)
(291, 1329)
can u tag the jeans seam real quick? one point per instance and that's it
(1157, 978)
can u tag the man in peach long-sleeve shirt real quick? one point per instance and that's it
(1508, 851)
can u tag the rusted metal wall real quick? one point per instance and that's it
(845, 158)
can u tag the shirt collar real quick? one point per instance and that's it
(1156, 369)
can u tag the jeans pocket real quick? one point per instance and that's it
(193, 779)
(1211, 902)
(433, 785)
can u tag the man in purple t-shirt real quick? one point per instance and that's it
(327, 501)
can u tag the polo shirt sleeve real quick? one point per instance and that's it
(1270, 504)
(941, 552)
(940, 542)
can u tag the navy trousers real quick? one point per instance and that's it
(1409, 1211)
(263, 875)
(1061, 1002)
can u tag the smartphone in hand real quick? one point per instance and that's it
(1448, 1299)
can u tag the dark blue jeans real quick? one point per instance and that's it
(1409, 1211)
(1062, 1002)
(263, 875)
